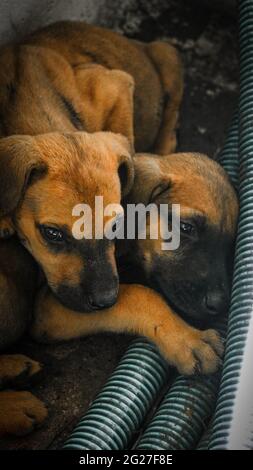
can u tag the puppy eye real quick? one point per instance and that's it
(114, 227)
(51, 234)
(187, 228)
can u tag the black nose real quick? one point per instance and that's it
(216, 302)
(101, 300)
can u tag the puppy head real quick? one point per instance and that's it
(196, 277)
(42, 179)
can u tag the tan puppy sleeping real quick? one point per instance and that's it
(64, 77)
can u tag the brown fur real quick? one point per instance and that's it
(139, 310)
(100, 70)
(186, 176)
(42, 178)
(71, 169)
(208, 202)
(21, 412)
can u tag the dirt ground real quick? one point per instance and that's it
(207, 39)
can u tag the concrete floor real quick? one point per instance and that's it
(207, 39)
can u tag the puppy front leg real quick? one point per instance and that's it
(20, 413)
(139, 310)
(17, 370)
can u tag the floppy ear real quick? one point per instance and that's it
(19, 162)
(151, 183)
(126, 174)
(161, 189)
(123, 149)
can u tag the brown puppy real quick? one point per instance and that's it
(63, 78)
(209, 214)
(19, 411)
(195, 278)
(41, 179)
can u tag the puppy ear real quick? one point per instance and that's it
(20, 162)
(124, 151)
(126, 174)
(152, 183)
(160, 189)
(121, 143)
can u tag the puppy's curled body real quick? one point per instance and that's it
(100, 68)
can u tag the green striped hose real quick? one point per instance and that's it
(233, 421)
(182, 416)
(119, 410)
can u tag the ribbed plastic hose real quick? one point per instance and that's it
(229, 159)
(182, 416)
(228, 156)
(233, 421)
(204, 441)
(184, 413)
(120, 408)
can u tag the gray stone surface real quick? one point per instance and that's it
(205, 33)
(20, 17)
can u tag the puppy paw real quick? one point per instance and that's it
(6, 228)
(190, 350)
(17, 370)
(20, 413)
(200, 352)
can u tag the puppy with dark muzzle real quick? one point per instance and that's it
(202, 263)
(195, 279)
(42, 179)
